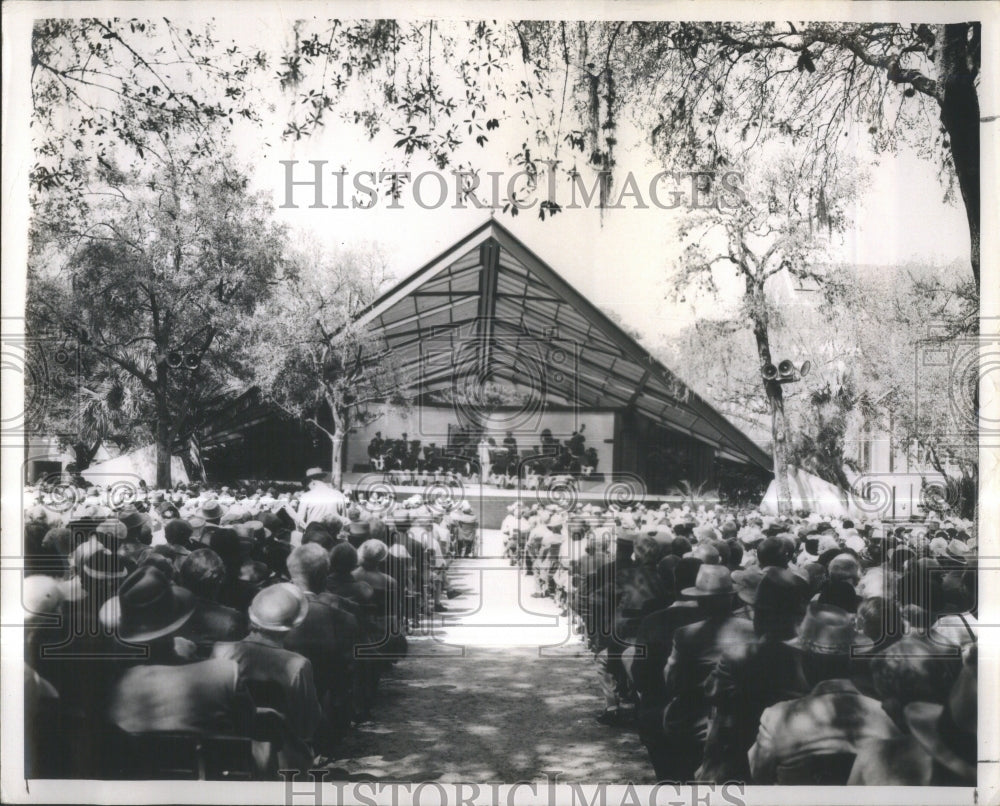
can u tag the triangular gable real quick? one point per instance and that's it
(488, 307)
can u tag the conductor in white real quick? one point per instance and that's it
(484, 460)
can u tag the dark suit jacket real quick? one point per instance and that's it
(418, 556)
(742, 685)
(213, 622)
(203, 697)
(602, 594)
(359, 594)
(273, 553)
(237, 593)
(338, 603)
(327, 638)
(697, 649)
(386, 602)
(262, 661)
(358, 532)
(656, 638)
(386, 610)
(640, 589)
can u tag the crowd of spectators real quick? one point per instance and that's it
(799, 650)
(251, 628)
(226, 633)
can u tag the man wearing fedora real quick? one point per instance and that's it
(697, 648)
(547, 561)
(833, 718)
(468, 530)
(278, 678)
(177, 533)
(514, 523)
(203, 573)
(537, 535)
(211, 511)
(47, 745)
(940, 749)
(235, 591)
(753, 675)
(358, 529)
(653, 644)
(139, 525)
(327, 636)
(163, 692)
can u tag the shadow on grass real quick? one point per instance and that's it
(493, 715)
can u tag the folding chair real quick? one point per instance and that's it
(180, 756)
(823, 769)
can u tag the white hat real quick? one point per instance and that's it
(41, 595)
(855, 543)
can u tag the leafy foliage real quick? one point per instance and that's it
(148, 284)
(818, 441)
(892, 353)
(693, 494)
(129, 114)
(769, 232)
(707, 95)
(307, 352)
(107, 90)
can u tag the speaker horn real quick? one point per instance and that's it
(770, 372)
(192, 360)
(786, 370)
(174, 359)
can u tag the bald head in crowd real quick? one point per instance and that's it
(308, 567)
(845, 567)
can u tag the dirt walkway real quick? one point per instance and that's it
(500, 690)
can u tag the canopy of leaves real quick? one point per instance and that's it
(703, 94)
(305, 349)
(149, 283)
(892, 354)
(780, 221)
(113, 90)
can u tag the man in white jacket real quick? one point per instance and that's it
(321, 502)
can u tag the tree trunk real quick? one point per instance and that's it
(336, 462)
(339, 416)
(967, 498)
(162, 453)
(779, 444)
(775, 399)
(85, 454)
(957, 68)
